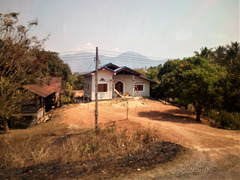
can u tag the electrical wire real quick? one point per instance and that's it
(111, 53)
(106, 56)
(124, 58)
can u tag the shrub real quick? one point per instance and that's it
(225, 120)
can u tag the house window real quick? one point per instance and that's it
(102, 87)
(138, 87)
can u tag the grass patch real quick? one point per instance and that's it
(48, 144)
(51, 145)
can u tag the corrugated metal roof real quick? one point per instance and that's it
(125, 68)
(47, 87)
(120, 69)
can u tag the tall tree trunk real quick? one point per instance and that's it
(5, 126)
(198, 115)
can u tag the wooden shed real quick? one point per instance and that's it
(47, 95)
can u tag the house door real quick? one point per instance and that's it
(119, 87)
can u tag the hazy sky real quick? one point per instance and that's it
(161, 28)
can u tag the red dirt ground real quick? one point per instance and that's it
(214, 152)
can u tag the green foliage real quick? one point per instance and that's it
(77, 80)
(68, 96)
(229, 57)
(204, 53)
(66, 99)
(199, 83)
(166, 76)
(193, 80)
(9, 96)
(152, 73)
(18, 64)
(211, 80)
(142, 71)
(52, 65)
(22, 60)
(225, 120)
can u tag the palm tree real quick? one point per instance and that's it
(219, 55)
(204, 53)
(233, 51)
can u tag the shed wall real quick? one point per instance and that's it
(88, 86)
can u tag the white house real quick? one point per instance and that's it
(125, 80)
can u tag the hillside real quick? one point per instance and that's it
(84, 61)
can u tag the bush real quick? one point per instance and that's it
(225, 120)
(68, 95)
(66, 99)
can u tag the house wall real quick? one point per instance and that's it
(128, 86)
(127, 83)
(88, 86)
(107, 77)
(104, 77)
(146, 87)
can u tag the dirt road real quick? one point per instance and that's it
(213, 153)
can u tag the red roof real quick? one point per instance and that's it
(47, 87)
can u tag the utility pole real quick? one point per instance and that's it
(96, 93)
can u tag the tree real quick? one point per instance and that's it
(232, 59)
(204, 53)
(194, 80)
(166, 77)
(200, 85)
(77, 80)
(229, 57)
(233, 55)
(219, 55)
(152, 72)
(17, 64)
(141, 70)
(52, 65)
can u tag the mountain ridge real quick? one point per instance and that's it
(84, 61)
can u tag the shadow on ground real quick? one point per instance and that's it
(174, 115)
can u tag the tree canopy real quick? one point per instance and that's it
(209, 80)
(22, 60)
(193, 81)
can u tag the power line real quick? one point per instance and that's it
(140, 59)
(130, 54)
(137, 61)
(110, 53)
(68, 52)
(120, 59)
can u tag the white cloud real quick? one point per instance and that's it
(78, 49)
(116, 49)
(85, 47)
(88, 46)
